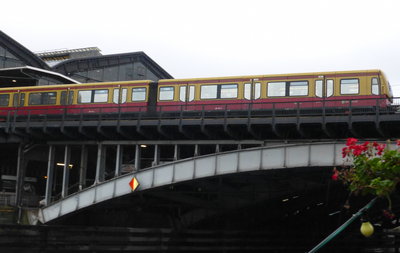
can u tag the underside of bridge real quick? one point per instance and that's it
(300, 206)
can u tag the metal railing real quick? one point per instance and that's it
(315, 107)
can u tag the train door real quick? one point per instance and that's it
(186, 95)
(252, 93)
(19, 101)
(119, 98)
(324, 89)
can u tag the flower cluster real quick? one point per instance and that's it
(374, 169)
(366, 148)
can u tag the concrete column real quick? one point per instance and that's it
(83, 167)
(217, 148)
(65, 184)
(196, 150)
(137, 157)
(50, 175)
(176, 152)
(156, 160)
(100, 164)
(118, 160)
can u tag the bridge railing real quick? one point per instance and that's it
(309, 107)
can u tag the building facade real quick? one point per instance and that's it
(21, 67)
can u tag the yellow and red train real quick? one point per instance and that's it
(285, 91)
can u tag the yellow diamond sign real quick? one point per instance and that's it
(134, 183)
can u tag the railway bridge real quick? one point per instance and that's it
(212, 170)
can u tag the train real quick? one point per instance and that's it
(361, 88)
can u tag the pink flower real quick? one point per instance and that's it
(351, 141)
(335, 175)
(380, 149)
(345, 151)
(398, 142)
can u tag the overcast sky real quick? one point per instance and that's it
(220, 37)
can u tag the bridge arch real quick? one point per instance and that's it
(246, 160)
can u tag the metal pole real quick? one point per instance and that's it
(100, 164)
(118, 160)
(344, 226)
(176, 152)
(50, 175)
(137, 158)
(65, 184)
(83, 167)
(156, 155)
(20, 180)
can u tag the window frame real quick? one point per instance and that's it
(173, 93)
(8, 99)
(377, 84)
(358, 86)
(289, 86)
(219, 88)
(92, 96)
(145, 94)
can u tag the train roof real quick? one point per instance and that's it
(60, 86)
(249, 77)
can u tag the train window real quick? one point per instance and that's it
(166, 93)
(70, 97)
(63, 98)
(84, 96)
(208, 91)
(247, 91)
(100, 96)
(182, 93)
(116, 96)
(349, 86)
(35, 99)
(42, 98)
(229, 91)
(15, 99)
(329, 88)
(298, 88)
(257, 90)
(4, 99)
(124, 95)
(318, 88)
(138, 94)
(191, 93)
(375, 86)
(22, 99)
(276, 89)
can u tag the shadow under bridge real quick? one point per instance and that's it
(239, 161)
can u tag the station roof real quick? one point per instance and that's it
(24, 54)
(27, 76)
(82, 64)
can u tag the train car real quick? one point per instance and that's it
(77, 99)
(366, 88)
(330, 90)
